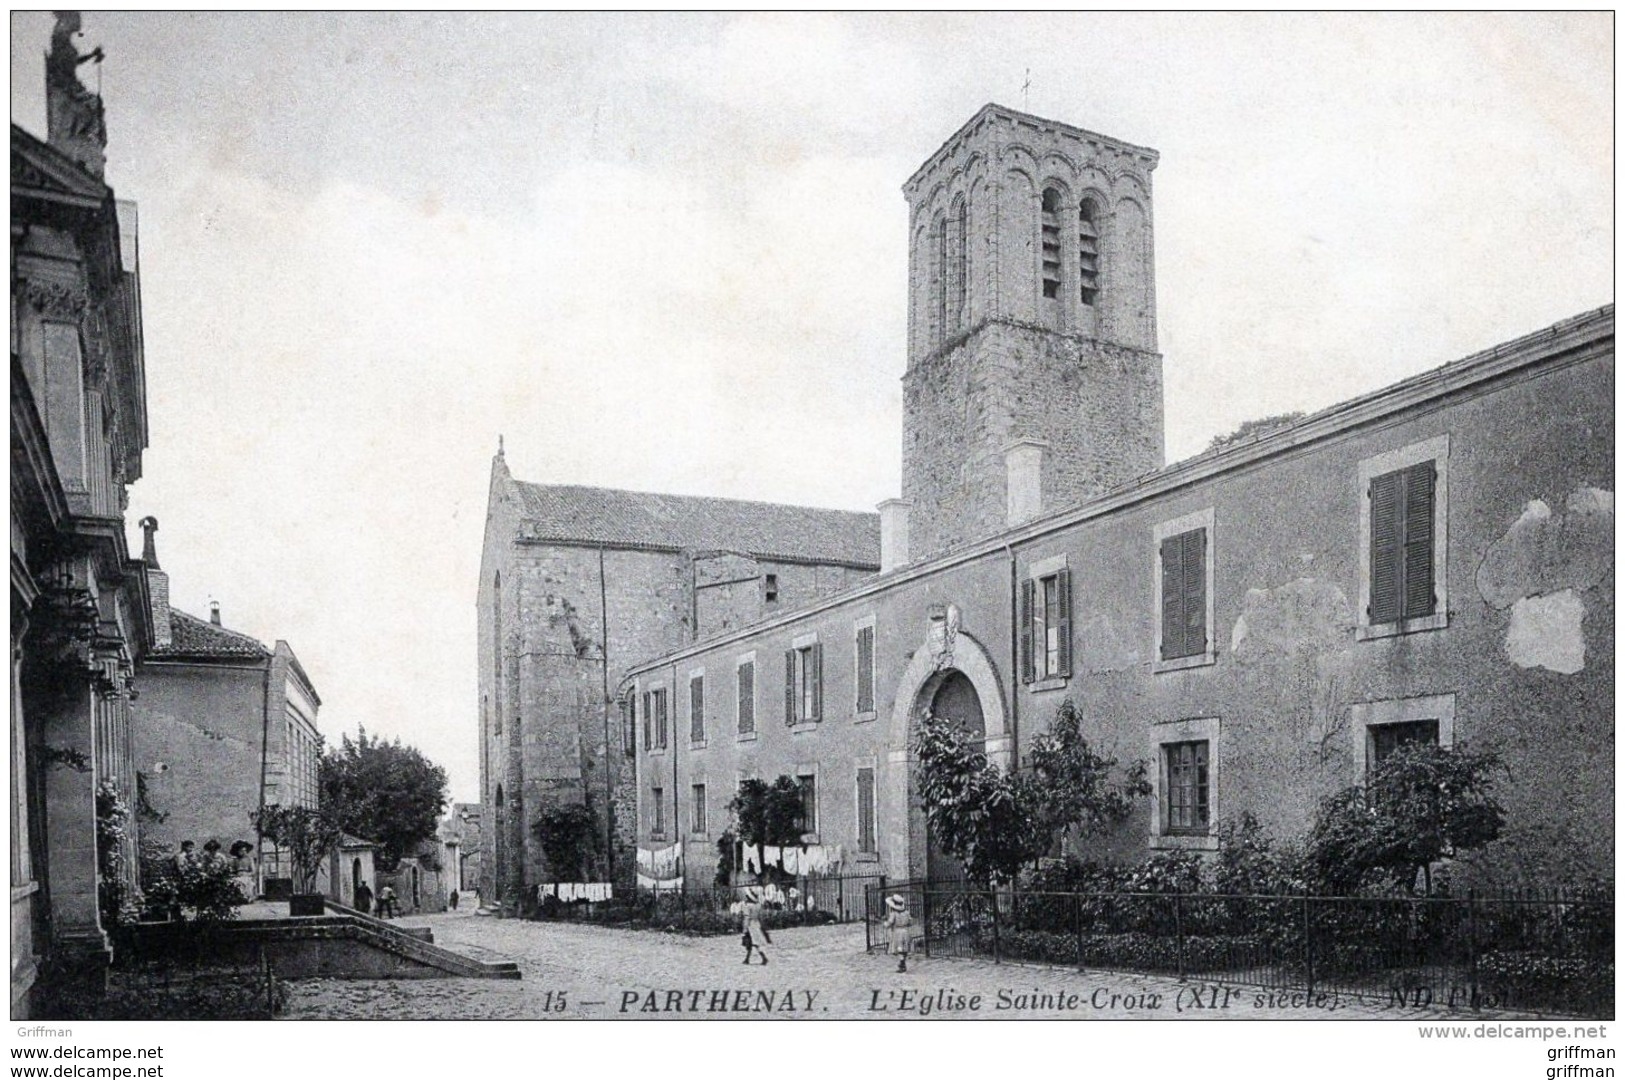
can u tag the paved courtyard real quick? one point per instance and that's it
(575, 971)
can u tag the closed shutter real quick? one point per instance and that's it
(1025, 631)
(648, 724)
(1386, 508)
(815, 660)
(696, 709)
(1194, 558)
(1173, 598)
(866, 811)
(866, 670)
(789, 686)
(1418, 559)
(747, 698)
(1063, 607)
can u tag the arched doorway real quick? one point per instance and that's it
(953, 698)
(355, 877)
(961, 682)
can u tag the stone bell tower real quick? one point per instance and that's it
(1033, 380)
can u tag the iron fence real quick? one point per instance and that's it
(1528, 950)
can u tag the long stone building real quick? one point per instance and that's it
(576, 585)
(1258, 623)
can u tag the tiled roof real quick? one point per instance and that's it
(194, 637)
(675, 522)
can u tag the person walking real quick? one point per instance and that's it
(363, 898)
(451, 899)
(386, 903)
(750, 917)
(899, 925)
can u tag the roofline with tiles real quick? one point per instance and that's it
(1571, 341)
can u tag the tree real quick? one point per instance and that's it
(1420, 804)
(305, 833)
(768, 815)
(985, 818)
(385, 792)
(997, 822)
(1075, 786)
(1251, 428)
(569, 838)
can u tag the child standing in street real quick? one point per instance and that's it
(899, 924)
(754, 935)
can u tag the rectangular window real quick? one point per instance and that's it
(657, 804)
(807, 785)
(696, 709)
(770, 588)
(648, 722)
(1402, 544)
(697, 823)
(1184, 594)
(803, 684)
(629, 724)
(1386, 738)
(657, 698)
(866, 669)
(866, 811)
(1186, 787)
(1046, 627)
(747, 698)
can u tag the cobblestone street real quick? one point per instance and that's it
(575, 971)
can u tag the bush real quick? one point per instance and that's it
(1534, 980)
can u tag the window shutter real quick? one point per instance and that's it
(1025, 630)
(747, 698)
(648, 724)
(1195, 591)
(815, 659)
(1418, 517)
(696, 709)
(1386, 508)
(1173, 599)
(866, 669)
(1063, 604)
(789, 686)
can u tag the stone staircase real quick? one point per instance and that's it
(342, 944)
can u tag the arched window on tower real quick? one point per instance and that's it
(1050, 243)
(1088, 251)
(939, 238)
(961, 267)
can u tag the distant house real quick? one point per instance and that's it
(223, 726)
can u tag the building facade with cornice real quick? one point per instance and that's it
(78, 600)
(1258, 624)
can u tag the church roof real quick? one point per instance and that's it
(194, 637)
(588, 515)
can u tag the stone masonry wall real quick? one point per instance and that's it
(1097, 405)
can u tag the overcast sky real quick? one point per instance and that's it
(666, 253)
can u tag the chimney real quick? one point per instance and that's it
(157, 587)
(1023, 483)
(74, 123)
(214, 612)
(893, 534)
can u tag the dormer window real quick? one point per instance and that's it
(1088, 252)
(1050, 243)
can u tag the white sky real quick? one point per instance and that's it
(666, 252)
